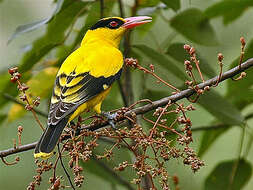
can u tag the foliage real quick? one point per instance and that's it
(166, 56)
(220, 177)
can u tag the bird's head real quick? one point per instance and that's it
(111, 29)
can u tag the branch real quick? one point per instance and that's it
(218, 126)
(146, 108)
(22, 148)
(174, 98)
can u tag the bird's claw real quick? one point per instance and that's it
(111, 118)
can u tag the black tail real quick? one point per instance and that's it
(50, 137)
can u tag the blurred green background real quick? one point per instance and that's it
(226, 147)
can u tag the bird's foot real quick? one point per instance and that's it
(111, 118)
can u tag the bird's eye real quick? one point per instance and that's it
(113, 24)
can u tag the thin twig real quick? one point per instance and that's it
(37, 119)
(157, 77)
(8, 163)
(127, 49)
(29, 106)
(102, 7)
(220, 58)
(158, 119)
(164, 126)
(121, 9)
(243, 43)
(66, 172)
(140, 101)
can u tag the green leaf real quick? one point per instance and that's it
(177, 51)
(162, 60)
(148, 3)
(54, 36)
(209, 137)
(151, 10)
(5, 77)
(240, 92)
(59, 6)
(174, 4)
(2, 116)
(45, 77)
(35, 25)
(220, 177)
(195, 26)
(16, 111)
(229, 10)
(27, 28)
(96, 167)
(219, 107)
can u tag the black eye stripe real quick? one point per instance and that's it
(106, 23)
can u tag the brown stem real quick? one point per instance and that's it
(158, 119)
(221, 66)
(8, 163)
(65, 171)
(102, 6)
(157, 77)
(37, 119)
(164, 126)
(200, 73)
(140, 101)
(30, 106)
(121, 9)
(241, 58)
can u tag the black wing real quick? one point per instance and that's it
(73, 90)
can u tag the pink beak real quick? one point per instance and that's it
(136, 21)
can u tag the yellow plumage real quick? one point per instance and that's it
(84, 79)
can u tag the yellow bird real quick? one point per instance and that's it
(85, 77)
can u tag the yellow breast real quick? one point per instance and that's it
(94, 103)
